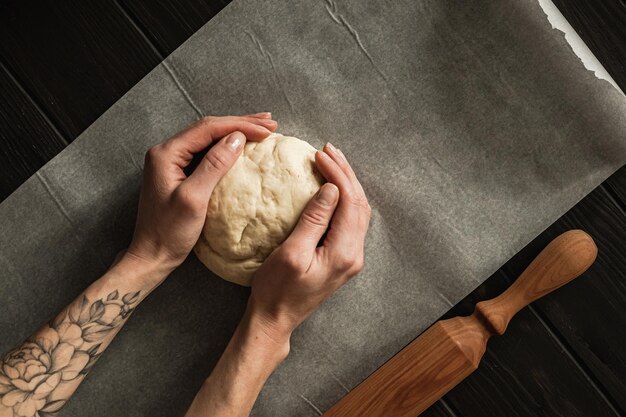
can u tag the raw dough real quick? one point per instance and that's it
(256, 205)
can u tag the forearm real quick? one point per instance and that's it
(41, 374)
(249, 359)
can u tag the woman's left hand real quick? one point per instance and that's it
(172, 205)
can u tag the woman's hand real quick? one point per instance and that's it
(298, 276)
(172, 206)
(290, 284)
(40, 375)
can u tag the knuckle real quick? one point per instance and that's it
(357, 266)
(216, 160)
(154, 153)
(204, 122)
(344, 262)
(366, 205)
(186, 199)
(292, 261)
(206, 119)
(365, 208)
(361, 202)
(315, 216)
(356, 200)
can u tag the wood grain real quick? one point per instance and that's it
(74, 57)
(588, 316)
(616, 187)
(450, 350)
(28, 140)
(440, 409)
(574, 329)
(170, 23)
(563, 259)
(526, 373)
(602, 26)
(419, 374)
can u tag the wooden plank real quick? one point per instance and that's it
(602, 26)
(440, 409)
(28, 140)
(169, 23)
(588, 315)
(75, 57)
(525, 373)
(616, 186)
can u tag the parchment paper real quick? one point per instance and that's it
(472, 126)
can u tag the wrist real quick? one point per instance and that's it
(270, 341)
(278, 321)
(153, 254)
(146, 273)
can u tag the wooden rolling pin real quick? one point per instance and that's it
(450, 350)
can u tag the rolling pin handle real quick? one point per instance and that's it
(565, 258)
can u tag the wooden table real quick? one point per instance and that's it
(63, 63)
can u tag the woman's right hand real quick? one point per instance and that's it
(298, 276)
(292, 282)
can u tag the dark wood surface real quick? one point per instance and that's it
(63, 63)
(167, 24)
(74, 57)
(561, 356)
(602, 25)
(28, 140)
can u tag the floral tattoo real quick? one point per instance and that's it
(37, 378)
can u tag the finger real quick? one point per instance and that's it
(215, 164)
(263, 119)
(341, 160)
(340, 239)
(314, 220)
(262, 115)
(206, 131)
(355, 264)
(268, 123)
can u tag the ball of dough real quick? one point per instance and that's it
(256, 205)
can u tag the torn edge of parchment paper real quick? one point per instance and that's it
(579, 47)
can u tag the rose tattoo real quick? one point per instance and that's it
(37, 378)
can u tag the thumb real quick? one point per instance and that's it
(215, 164)
(315, 218)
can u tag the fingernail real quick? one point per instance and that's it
(327, 195)
(235, 140)
(331, 147)
(341, 154)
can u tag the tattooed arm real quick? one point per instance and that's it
(38, 377)
(293, 281)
